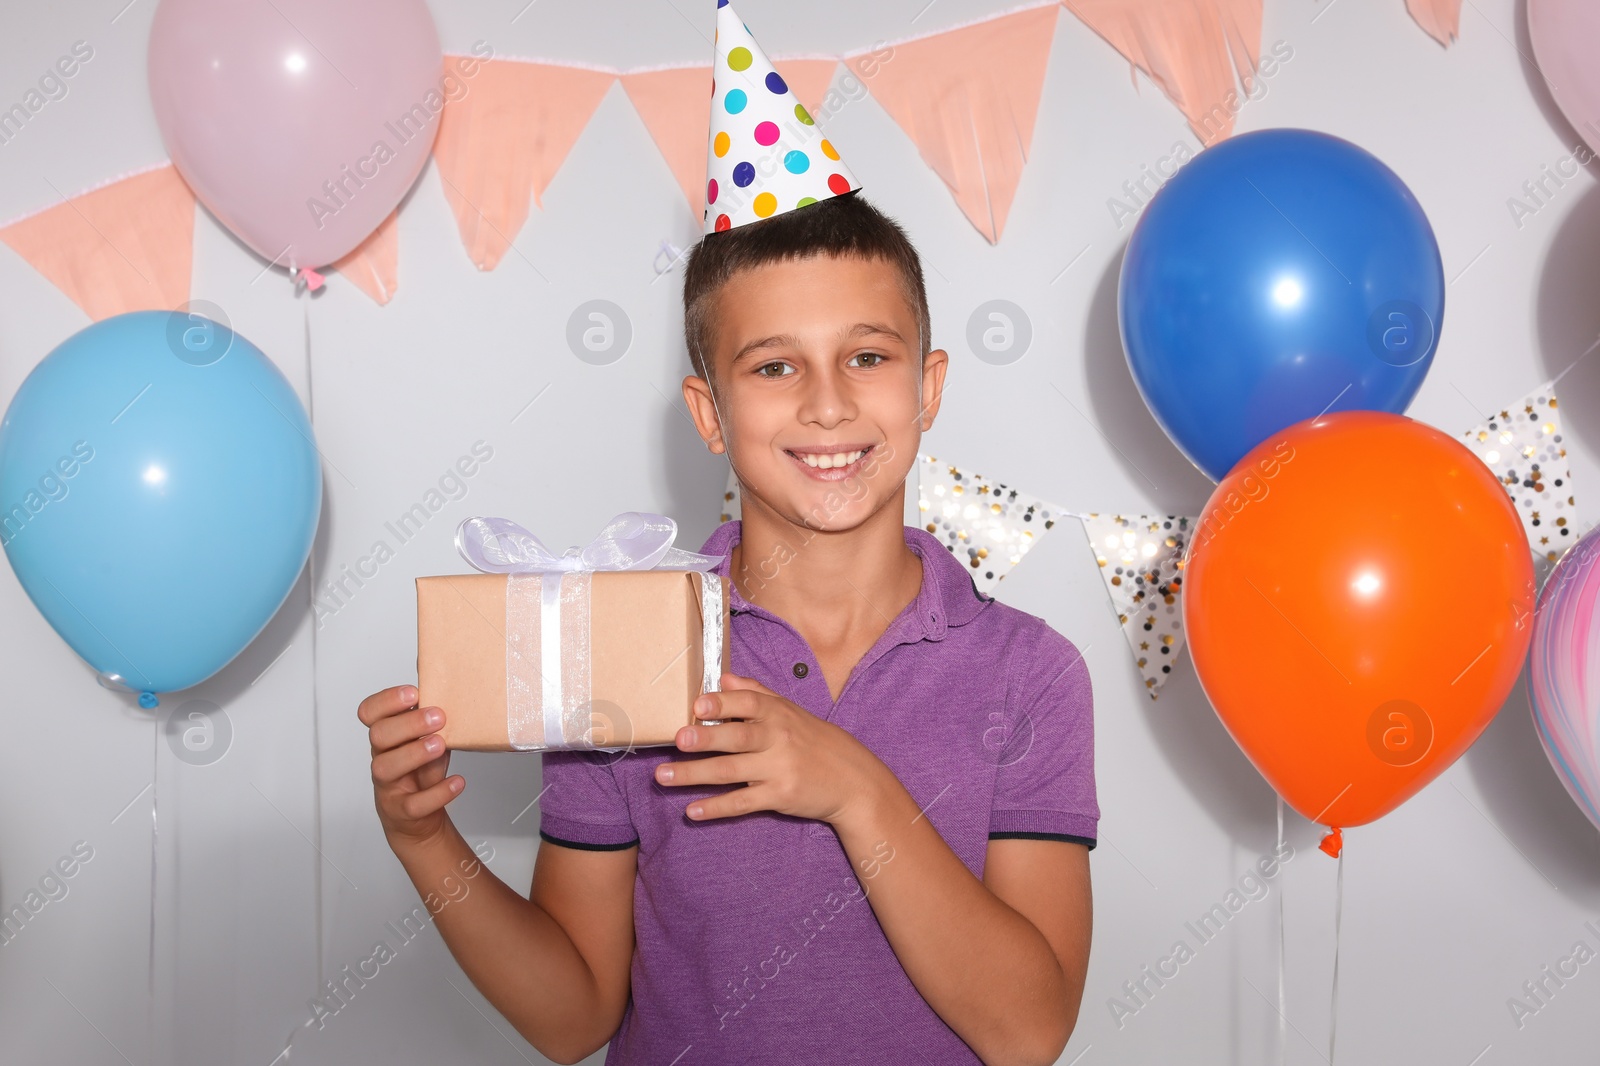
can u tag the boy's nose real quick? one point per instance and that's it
(828, 401)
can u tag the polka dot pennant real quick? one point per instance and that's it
(767, 155)
(1524, 446)
(730, 498)
(1141, 562)
(987, 525)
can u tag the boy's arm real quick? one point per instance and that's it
(556, 964)
(1001, 960)
(1047, 882)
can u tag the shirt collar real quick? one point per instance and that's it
(948, 596)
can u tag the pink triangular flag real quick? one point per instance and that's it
(672, 105)
(808, 79)
(1441, 18)
(1190, 48)
(374, 266)
(504, 141)
(126, 246)
(968, 99)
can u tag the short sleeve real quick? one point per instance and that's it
(1044, 781)
(582, 806)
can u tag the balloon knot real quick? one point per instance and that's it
(1333, 843)
(148, 700)
(313, 279)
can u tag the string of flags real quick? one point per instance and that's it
(967, 98)
(1141, 557)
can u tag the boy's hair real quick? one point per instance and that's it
(839, 226)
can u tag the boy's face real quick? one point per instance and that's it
(822, 397)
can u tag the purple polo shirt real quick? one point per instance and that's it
(755, 940)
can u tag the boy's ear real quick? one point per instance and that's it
(934, 365)
(697, 395)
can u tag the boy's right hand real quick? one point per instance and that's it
(409, 766)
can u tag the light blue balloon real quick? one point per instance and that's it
(159, 492)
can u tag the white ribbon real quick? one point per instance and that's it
(633, 540)
(552, 710)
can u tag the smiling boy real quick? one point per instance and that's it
(887, 735)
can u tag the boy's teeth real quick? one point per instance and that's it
(832, 459)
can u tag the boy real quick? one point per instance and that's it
(888, 735)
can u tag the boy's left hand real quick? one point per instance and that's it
(790, 760)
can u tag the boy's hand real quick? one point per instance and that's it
(790, 760)
(409, 764)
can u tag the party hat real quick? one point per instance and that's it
(767, 154)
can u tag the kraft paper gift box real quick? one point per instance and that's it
(604, 647)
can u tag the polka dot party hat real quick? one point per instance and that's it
(766, 155)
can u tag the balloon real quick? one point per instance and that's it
(1565, 664)
(1279, 275)
(160, 490)
(300, 125)
(1566, 39)
(1358, 598)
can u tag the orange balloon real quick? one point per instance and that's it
(1359, 600)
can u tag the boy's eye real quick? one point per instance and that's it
(875, 357)
(774, 369)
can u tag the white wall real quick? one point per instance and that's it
(1451, 903)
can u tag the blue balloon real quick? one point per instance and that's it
(160, 490)
(1278, 275)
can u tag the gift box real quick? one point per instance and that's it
(604, 647)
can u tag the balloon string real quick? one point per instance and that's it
(1283, 1014)
(1338, 915)
(316, 718)
(155, 792)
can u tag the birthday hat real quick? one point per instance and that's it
(767, 154)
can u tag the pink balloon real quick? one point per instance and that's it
(1564, 662)
(1566, 42)
(299, 124)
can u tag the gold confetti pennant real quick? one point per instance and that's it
(1524, 446)
(730, 498)
(1141, 562)
(988, 525)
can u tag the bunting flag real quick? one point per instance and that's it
(1441, 18)
(987, 525)
(502, 143)
(1191, 49)
(1524, 446)
(125, 246)
(1141, 562)
(730, 498)
(672, 104)
(968, 98)
(374, 265)
(808, 79)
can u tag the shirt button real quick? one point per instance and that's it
(801, 669)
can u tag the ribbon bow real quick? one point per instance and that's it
(633, 540)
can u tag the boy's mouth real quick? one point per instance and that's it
(830, 463)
